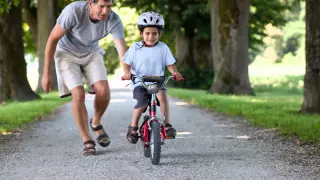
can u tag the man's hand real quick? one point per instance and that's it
(177, 76)
(46, 82)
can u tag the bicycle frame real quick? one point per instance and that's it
(152, 131)
(152, 117)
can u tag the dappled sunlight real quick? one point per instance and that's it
(5, 133)
(243, 137)
(258, 100)
(265, 68)
(118, 100)
(184, 133)
(181, 103)
(221, 125)
(125, 94)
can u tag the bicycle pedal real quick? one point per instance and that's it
(170, 137)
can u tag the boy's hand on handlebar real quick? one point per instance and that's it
(177, 76)
(127, 75)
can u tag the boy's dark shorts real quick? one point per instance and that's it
(141, 95)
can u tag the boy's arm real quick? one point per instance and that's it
(173, 70)
(126, 70)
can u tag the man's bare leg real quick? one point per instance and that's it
(101, 102)
(79, 112)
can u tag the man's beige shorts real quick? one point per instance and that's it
(72, 67)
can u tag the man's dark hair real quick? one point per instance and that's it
(95, 1)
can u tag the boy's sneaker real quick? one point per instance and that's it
(170, 131)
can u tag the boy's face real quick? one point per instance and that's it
(100, 11)
(150, 35)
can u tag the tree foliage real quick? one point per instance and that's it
(186, 16)
(263, 13)
(189, 16)
(5, 5)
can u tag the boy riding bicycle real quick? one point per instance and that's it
(149, 57)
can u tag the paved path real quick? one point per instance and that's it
(209, 146)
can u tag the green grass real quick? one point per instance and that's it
(15, 114)
(276, 105)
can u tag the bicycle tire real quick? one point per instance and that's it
(155, 143)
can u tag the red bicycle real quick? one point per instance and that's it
(152, 131)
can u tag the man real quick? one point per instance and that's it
(73, 43)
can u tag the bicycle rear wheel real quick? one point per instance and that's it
(155, 142)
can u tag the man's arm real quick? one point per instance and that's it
(56, 34)
(121, 46)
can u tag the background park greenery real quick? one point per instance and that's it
(276, 62)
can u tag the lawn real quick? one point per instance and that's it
(279, 95)
(16, 114)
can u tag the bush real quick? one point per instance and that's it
(194, 79)
(111, 59)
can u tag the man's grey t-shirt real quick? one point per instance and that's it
(83, 35)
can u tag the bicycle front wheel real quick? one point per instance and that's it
(155, 142)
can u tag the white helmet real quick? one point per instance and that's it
(150, 19)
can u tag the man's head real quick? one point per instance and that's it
(100, 9)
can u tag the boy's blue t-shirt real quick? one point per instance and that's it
(148, 61)
(83, 35)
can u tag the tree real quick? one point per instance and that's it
(29, 15)
(13, 76)
(311, 100)
(41, 18)
(229, 23)
(47, 14)
(186, 23)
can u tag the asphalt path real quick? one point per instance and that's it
(209, 145)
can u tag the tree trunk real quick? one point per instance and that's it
(311, 100)
(184, 53)
(30, 17)
(192, 53)
(46, 20)
(203, 54)
(229, 24)
(13, 73)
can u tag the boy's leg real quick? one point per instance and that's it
(165, 110)
(132, 134)
(136, 116)
(140, 94)
(164, 105)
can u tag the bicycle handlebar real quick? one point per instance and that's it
(144, 79)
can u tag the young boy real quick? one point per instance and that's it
(149, 57)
